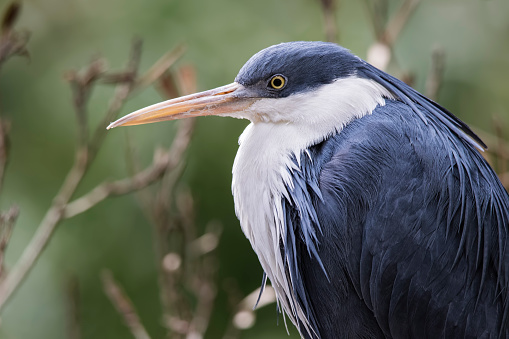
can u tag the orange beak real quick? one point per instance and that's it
(225, 100)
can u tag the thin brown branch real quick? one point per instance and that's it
(135, 166)
(4, 148)
(7, 221)
(494, 143)
(120, 187)
(398, 21)
(122, 92)
(377, 10)
(204, 284)
(44, 231)
(167, 85)
(234, 294)
(82, 84)
(504, 178)
(436, 73)
(84, 155)
(205, 291)
(500, 150)
(123, 305)
(186, 79)
(10, 16)
(162, 163)
(380, 53)
(329, 17)
(160, 212)
(11, 42)
(161, 66)
(115, 78)
(175, 308)
(73, 307)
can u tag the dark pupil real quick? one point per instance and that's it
(277, 82)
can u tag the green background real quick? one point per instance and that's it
(220, 36)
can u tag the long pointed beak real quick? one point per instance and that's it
(225, 100)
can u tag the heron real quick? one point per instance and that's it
(370, 207)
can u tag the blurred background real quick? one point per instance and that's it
(179, 255)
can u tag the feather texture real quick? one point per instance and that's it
(413, 232)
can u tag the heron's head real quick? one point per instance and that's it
(272, 86)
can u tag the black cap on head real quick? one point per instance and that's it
(305, 65)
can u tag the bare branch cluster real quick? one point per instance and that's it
(187, 262)
(185, 259)
(387, 30)
(82, 83)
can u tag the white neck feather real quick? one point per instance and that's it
(281, 128)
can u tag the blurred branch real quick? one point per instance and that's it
(123, 306)
(7, 221)
(244, 316)
(157, 71)
(500, 150)
(504, 178)
(82, 84)
(395, 26)
(44, 230)
(10, 16)
(377, 11)
(329, 16)
(73, 307)
(163, 161)
(205, 291)
(183, 82)
(497, 153)
(12, 42)
(387, 31)
(122, 92)
(85, 154)
(4, 148)
(170, 224)
(436, 73)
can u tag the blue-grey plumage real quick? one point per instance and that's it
(368, 205)
(415, 225)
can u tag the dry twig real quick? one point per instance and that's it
(12, 42)
(4, 148)
(161, 66)
(7, 221)
(329, 17)
(436, 73)
(123, 305)
(387, 31)
(85, 154)
(167, 224)
(73, 308)
(163, 162)
(398, 21)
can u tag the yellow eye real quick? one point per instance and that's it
(277, 82)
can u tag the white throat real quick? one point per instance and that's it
(281, 128)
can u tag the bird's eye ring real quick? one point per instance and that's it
(277, 82)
